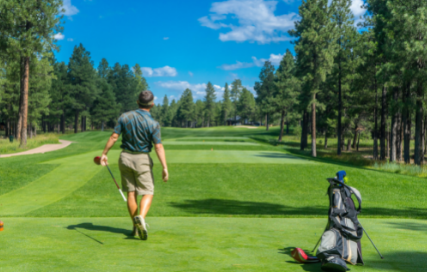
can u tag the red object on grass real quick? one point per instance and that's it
(97, 160)
(300, 256)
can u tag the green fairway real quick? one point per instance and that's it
(233, 202)
(195, 244)
(166, 143)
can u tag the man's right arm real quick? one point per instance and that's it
(160, 151)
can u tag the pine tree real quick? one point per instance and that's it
(287, 89)
(165, 114)
(39, 98)
(265, 91)
(186, 108)
(342, 17)
(210, 103)
(406, 31)
(142, 84)
(236, 89)
(226, 104)
(82, 80)
(60, 97)
(315, 53)
(199, 113)
(246, 105)
(27, 29)
(103, 68)
(105, 107)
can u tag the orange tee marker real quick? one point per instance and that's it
(1, 226)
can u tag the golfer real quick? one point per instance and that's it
(139, 131)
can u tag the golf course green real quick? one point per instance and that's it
(233, 203)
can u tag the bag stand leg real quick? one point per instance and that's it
(327, 226)
(372, 242)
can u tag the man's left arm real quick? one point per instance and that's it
(113, 139)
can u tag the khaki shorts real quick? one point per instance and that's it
(137, 173)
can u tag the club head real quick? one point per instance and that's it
(97, 160)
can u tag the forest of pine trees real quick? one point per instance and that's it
(343, 80)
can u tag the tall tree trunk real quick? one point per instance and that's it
(419, 126)
(304, 130)
(388, 144)
(424, 137)
(393, 135)
(267, 121)
(407, 127)
(355, 136)
(24, 107)
(76, 121)
(7, 128)
(358, 141)
(399, 136)
(375, 155)
(102, 126)
(394, 127)
(348, 145)
(63, 123)
(287, 128)
(20, 110)
(383, 123)
(313, 128)
(326, 138)
(339, 128)
(282, 124)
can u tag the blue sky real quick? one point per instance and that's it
(183, 44)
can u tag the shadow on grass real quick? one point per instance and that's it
(306, 267)
(409, 226)
(402, 261)
(92, 227)
(278, 156)
(236, 207)
(399, 261)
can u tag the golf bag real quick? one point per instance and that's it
(340, 243)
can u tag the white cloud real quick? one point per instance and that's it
(166, 38)
(155, 98)
(166, 71)
(237, 65)
(256, 21)
(191, 74)
(58, 36)
(274, 59)
(70, 39)
(358, 11)
(199, 90)
(356, 8)
(70, 10)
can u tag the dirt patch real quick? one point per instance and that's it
(41, 149)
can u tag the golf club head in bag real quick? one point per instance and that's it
(300, 256)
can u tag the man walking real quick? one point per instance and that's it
(139, 130)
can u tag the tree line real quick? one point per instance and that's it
(344, 81)
(237, 105)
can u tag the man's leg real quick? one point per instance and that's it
(144, 205)
(132, 205)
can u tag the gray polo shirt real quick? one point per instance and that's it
(139, 131)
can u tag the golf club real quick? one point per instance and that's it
(97, 160)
